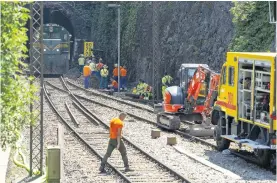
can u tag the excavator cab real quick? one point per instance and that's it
(186, 73)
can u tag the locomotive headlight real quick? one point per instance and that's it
(58, 50)
(44, 49)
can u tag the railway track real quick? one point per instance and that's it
(82, 96)
(147, 168)
(131, 111)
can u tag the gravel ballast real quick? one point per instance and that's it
(139, 132)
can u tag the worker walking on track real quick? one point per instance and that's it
(116, 125)
(166, 81)
(81, 62)
(123, 78)
(104, 77)
(115, 72)
(87, 73)
(99, 66)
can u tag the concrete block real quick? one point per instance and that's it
(171, 140)
(155, 134)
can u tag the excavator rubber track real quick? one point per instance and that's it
(168, 121)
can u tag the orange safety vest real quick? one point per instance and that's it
(114, 83)
(86, 71)
(115, 71)
(123, 72)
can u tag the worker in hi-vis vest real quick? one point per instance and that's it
(166, 81)
(81, 62)
(104, 77)
(86, 73)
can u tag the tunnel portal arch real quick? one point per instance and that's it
(56, 16)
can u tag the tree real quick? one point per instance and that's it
(16, 91)
(253, 32)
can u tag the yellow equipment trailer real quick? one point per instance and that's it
(246, 105)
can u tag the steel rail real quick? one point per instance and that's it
(130, 143)
(118, 100)
(186, 135)
(82, 139)
(71, 115)
(183, 134)
(109, 97)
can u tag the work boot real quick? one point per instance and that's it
(102, 169)
(128, 169)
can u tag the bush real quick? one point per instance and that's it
(16, 91)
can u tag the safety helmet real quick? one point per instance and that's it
(105, 66)
(81, 55)
(100, 60)
(115, 65)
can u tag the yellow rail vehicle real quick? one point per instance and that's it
(246, 105)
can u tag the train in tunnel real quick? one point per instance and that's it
(56, 49)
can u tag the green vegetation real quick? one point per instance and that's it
(253, 32)
(128, 32)
(16, 92)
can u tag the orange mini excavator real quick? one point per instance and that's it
(191, 103)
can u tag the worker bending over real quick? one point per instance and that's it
(123, 78)
(114, 85)
(166, 81)
(104, 77)
(140, 89)
(81, 62)
(87, 73)
(148, 93)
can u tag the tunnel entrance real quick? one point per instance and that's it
(55, 16)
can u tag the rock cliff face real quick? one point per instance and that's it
(189, 32)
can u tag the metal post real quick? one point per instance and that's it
(31, 105)
(41, 86)
(155, 52)
(118, 47)
(118, 41)
(36, 70)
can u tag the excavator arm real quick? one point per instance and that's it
(195, 84)
(212, 94)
